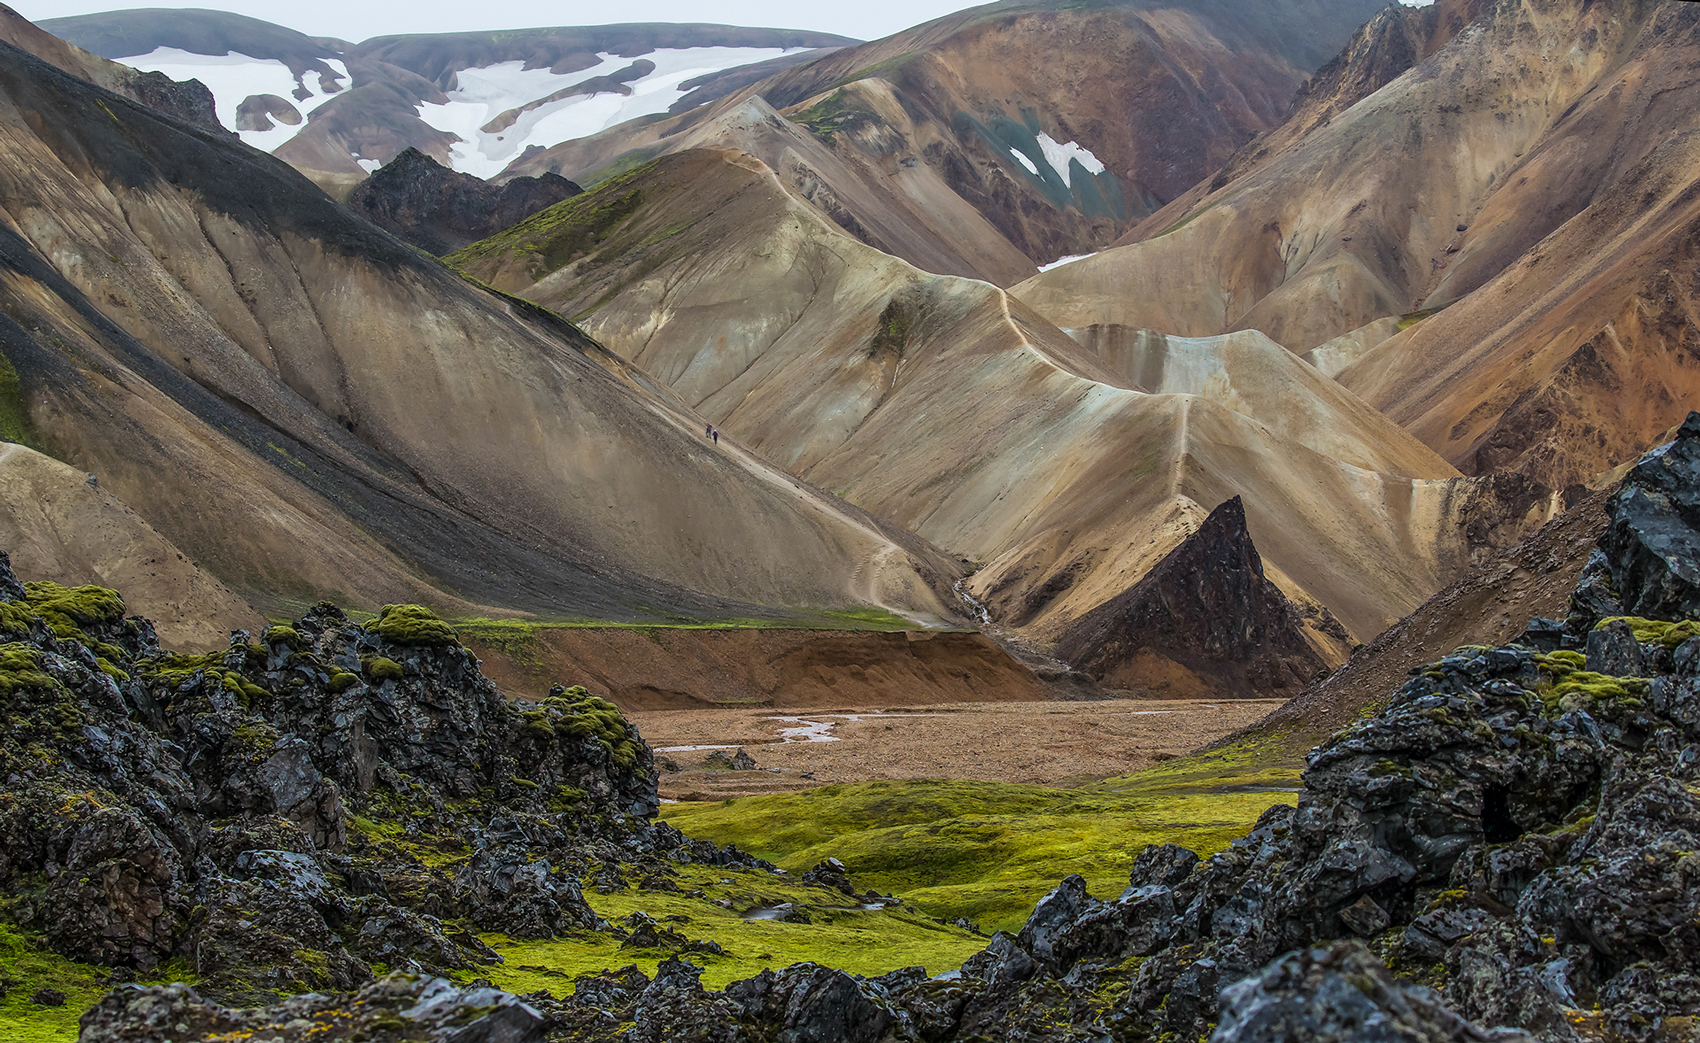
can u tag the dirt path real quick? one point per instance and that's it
(1037, 742)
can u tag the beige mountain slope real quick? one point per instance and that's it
(58, 525)
(1579, 354)
(310, 408)
(946, 407)
(1059, 124)
(1414, 194)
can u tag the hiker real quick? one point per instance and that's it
(708, 430)
(716, 433)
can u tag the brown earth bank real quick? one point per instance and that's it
(1046, 743)
(672, 668)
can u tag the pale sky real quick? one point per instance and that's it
(864, 19)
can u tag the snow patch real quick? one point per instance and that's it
(1058, 156)
(1070, 259)
(482, 94)
(1021, 157)
(234, 77)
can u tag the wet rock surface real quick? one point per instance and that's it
(441, 210)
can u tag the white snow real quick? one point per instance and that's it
(1070, 259)
(1059, 155)
(482, 94)
(233, 77)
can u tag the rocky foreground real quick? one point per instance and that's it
(1509, 842)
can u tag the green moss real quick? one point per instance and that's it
(75, 606)
(28, 965)
(560, 234)
(413, 625)
(1668, 634)
(987, 850)
(578, 714)
(379, 669)
(342, 681)
(832, 114)
(893, 332)
(1411, 318)
(284, 635)
(20, 669)
(1596, 693)
(868, 942)
(17, 617)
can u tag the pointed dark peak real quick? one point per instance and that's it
(1204, 621)
(440, 210)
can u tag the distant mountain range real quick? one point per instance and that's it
(474, 101)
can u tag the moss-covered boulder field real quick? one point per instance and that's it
(343, 831)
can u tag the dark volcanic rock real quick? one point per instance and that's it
(1338, 994)
(1652, 547)
(263, 811)
(400, 1006)
(441, 210)
(1208, 608)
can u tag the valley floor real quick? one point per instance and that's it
(1047, 743)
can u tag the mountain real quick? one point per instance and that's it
(977, 131)
(310, 408)
(1063, 471)
(1529, 236)
(189, 100)
(472, 101)
(417, 199)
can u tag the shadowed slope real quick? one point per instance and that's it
(1204, 622)
(311, 408)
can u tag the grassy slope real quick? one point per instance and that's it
(862, 942)
(988, 851)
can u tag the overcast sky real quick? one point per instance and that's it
(356, 21)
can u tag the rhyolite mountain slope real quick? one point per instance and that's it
(944, 406)
(1501, 852)
(309, 407)
(61, 525)
(1528, 176)
(439, 210)
(472, 101)
(1057, 125)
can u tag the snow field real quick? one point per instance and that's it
(234, 77)
(482, 94)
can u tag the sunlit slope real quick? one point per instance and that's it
(57, 524)
(1418, 193)
(1037, 127)
(311, 408)
(944, 406)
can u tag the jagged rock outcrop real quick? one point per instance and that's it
(440, 210)
(399, 1006)
(1207, 609)
(262, 811)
